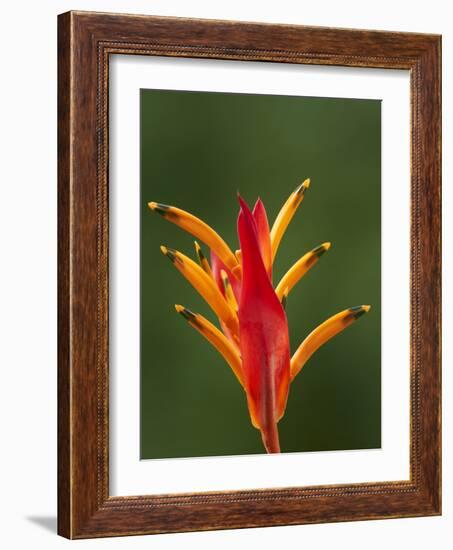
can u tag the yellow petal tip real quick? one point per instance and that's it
(300, 190)
(162, 209)
(163, 249)
(366, 308)
(186, 313)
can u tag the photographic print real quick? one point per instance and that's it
(258, 272)
(249, 274)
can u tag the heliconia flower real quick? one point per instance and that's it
(238, 286)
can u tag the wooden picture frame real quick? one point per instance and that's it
(85, 42)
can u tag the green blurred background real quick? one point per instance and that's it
(197, 150)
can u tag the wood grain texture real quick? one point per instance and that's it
(64, 369)
(86, 40)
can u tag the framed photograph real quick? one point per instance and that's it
(249, 275)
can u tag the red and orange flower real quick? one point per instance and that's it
(238, 287)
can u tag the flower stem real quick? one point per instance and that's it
(270, 438)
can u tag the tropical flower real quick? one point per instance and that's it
(253, 338)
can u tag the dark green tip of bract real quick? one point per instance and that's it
(319, 250)
(300, 190)
(187, 314)
(357, 311)
(161, 209)
(171, 254)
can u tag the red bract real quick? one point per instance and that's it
(264, 340)
(238, 286)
